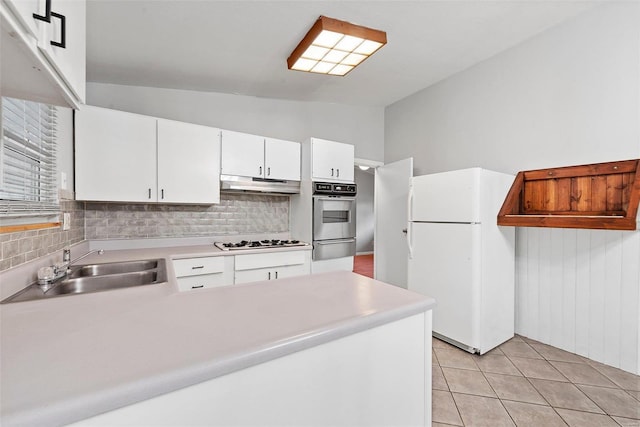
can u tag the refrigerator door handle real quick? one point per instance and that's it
(410, 204)
(409, 224)
(409, 239)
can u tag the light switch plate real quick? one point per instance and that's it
(66, 221)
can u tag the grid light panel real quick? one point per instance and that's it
(335, 52)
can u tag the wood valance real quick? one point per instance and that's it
(597, 196)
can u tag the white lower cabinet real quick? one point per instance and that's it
(271, 266)
(204, 272)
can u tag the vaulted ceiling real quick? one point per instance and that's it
(241, 47)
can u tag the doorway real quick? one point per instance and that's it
(365, 220)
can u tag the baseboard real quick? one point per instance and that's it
(364, 253)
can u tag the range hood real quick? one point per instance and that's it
(232, 183)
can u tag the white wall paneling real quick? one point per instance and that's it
(579, 290)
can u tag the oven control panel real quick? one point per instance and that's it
(332, 189)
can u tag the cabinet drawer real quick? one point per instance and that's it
(199, 266)
(273, 259)
(203, 281)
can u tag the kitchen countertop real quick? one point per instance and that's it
(15, 279)
(69, 358)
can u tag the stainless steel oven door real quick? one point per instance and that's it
(329, 249)
(334, 217)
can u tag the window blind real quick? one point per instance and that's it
(28, 159)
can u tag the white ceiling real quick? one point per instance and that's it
(241, 47)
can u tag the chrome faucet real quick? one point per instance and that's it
(48, 275)
(66, 256)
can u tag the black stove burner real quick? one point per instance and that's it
(245, 244)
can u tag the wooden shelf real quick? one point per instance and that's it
(596, 196)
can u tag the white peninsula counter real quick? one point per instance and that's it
(326, 349)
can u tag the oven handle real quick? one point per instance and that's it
(334, 242)
(331, 198)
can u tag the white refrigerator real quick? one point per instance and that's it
(461, 257)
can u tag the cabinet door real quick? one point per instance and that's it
(242, 154)
(188, 163)
(332, 161)
(70, 60)
(282, 159)
(344, 161)
(273, 273)
(24, 10)
(293, 270)
(256, 275)
(115, 156)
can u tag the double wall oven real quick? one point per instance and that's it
(334, 220)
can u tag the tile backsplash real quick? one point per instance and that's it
(24, 246)
(235, 214)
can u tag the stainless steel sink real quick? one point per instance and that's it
(103, 283)
(112, 268)
(96, 278)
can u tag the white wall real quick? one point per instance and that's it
(291, 120)
(570, 95)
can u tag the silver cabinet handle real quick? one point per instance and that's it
(260, 173)
(197, 287)
(162, 194)
(269, 171)
(269, 275)
(276, 274)
(331, 171)
(338, 175)
(149, 193)
(197, 267)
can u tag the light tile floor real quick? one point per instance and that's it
(526, 383)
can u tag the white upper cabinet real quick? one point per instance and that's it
(282, 159)
(188, 163)
(242, 154)
(331, 161)
(115, 156)
(44, 59)
(125, 157)
(258, 157)
(23, 11)
(63, 43)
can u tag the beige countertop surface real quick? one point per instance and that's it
(69, 358)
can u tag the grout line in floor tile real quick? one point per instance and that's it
(500, 400)
(558, 371)
(635, 396)
(616, 386)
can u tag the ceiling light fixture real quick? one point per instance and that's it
(335, 47)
